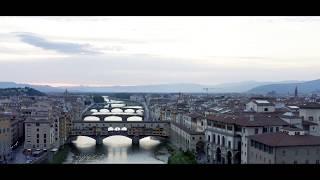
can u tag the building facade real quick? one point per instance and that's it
(284, 147)
(5, 139)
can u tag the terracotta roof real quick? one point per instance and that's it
(189, 131)
(292, 129)
(194, 115)
(263, 103)
(310, 106)
(282, 139)
(242, 120)
(308, 123)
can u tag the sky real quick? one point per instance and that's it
(107, 51)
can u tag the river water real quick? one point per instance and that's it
(114, 150)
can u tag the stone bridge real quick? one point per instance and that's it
(103, 115)
(135, 130)
(133, 109)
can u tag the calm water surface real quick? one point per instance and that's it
(115, 150)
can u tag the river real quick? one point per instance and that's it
(114, 150)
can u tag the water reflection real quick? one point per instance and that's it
(113, 118)
(115, 149)
(91, 118)
(134, 118)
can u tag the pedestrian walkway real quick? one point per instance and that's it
(18, 156)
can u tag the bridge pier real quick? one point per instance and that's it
(99, 140)
(135, 140)
(70, 139)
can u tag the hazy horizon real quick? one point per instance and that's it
(127, 51)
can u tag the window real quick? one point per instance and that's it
(256, 130)
(302, 117)
(37, 135)
(192, 137)
(208, 138)
(37, 129)
(37, 141)
(44, 135)
(265, 109)
(44, 141)
(310, 118)
(218, 139)
(271, 129)
(265, 130)
(214, 138)
(37, 124)
(243, 130)
(277, 129)
(270, 150)
(229, 144)
(223, 141)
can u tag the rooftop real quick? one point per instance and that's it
(282, 139)
(194, 115)
(310, 106)
(242, 120)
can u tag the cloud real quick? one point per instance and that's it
(62, 47)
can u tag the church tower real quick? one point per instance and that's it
(296, 92)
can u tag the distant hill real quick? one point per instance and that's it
(285, 88)
(43, 88)
(26, 91)
(238, 87)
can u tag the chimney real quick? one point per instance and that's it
(251, 116)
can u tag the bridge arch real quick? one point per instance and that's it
(117, 110)
(104, 110)
(124, 129)
(129, 110)
(134, 118)
(93, 110)
(117, 105)
(113, 118)
(91, 118)
(110, 128)
(84, 141)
